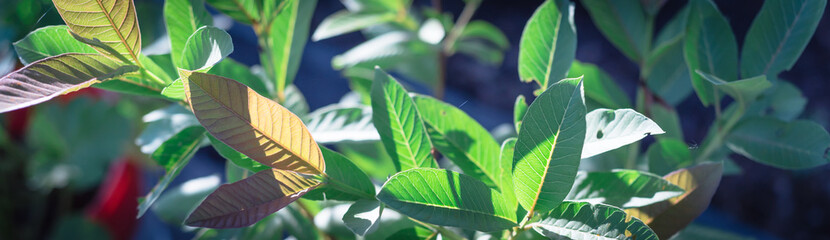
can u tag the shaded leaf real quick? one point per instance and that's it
(744, 91)
(161, 124)
(581, 220)
(665, 66)
(183, 18)
(667, 155)
(506, 172)
(622, 188)
(798, 144)
(549, 146)
(371, 157)
(252, 124)
(399, 124)
(334, 124)
(295, 101)
(230, 68)
(610, 129)
(344, 21)
(244, 11)
(363, 216)
(623, 23)
(519, 111)
(40, 44)
(484, 30)
(247, 201)
(204, 48)
(113, 22)
(287, 36)
(783, 100)
(548, 44)
(50, 77)
(236, 158)
(710, 47)
(599, 86)
(173, 155)
(454, 200)
(346, 181)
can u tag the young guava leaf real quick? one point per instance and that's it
(461, 139)
(247, 201)
(447, 198)
(252, 124)
(799, 144)
(549, 146)
(710, 47)
(363, 216)
(519, 111)
(346, 181)
(778, 35)
(610, 129)
(183, 18)
(205, 47)
(40, 44)
(670, 216)
(286, 39)
(399, 124)
(336, 124)
(345, 21)
(548, 44)
(173, 155)
(623, 23)
(622, 188)
(53, 76)
(113, 22)
(582, 220)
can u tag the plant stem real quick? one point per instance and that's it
(460, 24)
(720, 134)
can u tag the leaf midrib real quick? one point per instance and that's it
(784, 40)
(450, 208)
(117, 30)
(550, 156)
(466, 154)
(553, 47)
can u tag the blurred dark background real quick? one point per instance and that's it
(762, 202)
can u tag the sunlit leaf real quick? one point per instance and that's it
(506, 172)
(346, 181)
(447, 198)
(599, 86)
(461, 139)
(519, 111)
(668, 217)
(548, 44)
(344, 21)
(252, 124)
(245, 11)
(247, 201)
(204, 48)
(710, 47)
(622, 188)
(173, 155)
(183, 18)
(336, 124)
(41, 43)
(50, 77)
(610, 129)
(286, 39)
(623, 23)
(113, 22)
(549, 146)
(582, 220)
(399, 124)
(362, 217)
(799, 144)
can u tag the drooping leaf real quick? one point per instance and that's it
(610, 129)
(244, 11)
(247, 201)
(778, 35)
(461, 139)
(41, 43)
(668, 217)
(336, 124)
(548, 44)
(113, 22)
(173, 155)
(623, 23)
(204, 48)
(599, 86)
(582, 220)
(286, 39)
(344, 21)
(622, 188)
(744, 91)
(362, 217)
(346, 181)
(50, 77)
(549, 146)
(252, 124)
(710, 47)
(799, 144)
(447, 198)
(667, 155)
(399, 124)
(519, 111)
(183, 18)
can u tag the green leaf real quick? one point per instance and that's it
(244, 11)
(599, 86)
(610, 129)
(247, 201)
(623, 23)
(161, 124)
(371, 157)
(696, 231)
(484, 30)
(344, 21)
(173, 155)
(204, 48)
(399, 124)
(334, 124)
(582, 220)
(363, 216)
(414, 233)
(668, 217)
(549, 146)
(238, 159)
(447, 198)
(297, 224)
(783, 101)
(744, 91)
(667, 155)
(548, 44)
(40, 44)
(346, 181)
(53, 76)
(622, 188)
(668, 120)
(778, 35)
(113, 22)
(230, 68)
(669, 76)
(519, 111)
(285, 41)
(481, 51)
(800, 144)
(461, 139)
(710, 47)
(176, 203)
(183, 18)
(295, 101)
(506, 172)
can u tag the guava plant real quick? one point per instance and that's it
(409, 165)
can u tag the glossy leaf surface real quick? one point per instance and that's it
(548, 44)
(622, 188)
(581, 220)
(183, 18)
(610, 129)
